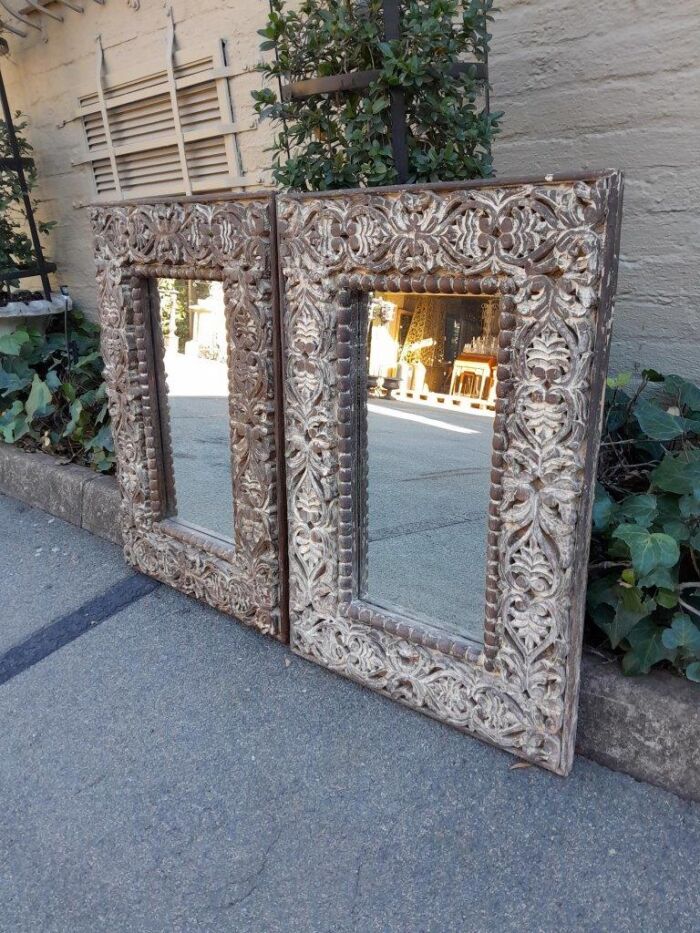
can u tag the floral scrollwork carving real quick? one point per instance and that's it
(227, 239)
(549, 250)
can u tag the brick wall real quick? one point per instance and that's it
(617, 85)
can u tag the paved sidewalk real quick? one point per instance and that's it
(169, 770)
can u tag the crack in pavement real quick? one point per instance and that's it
(254, 876)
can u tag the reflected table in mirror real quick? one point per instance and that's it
(428, 465)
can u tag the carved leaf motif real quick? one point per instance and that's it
(229, 239)
(546, 242)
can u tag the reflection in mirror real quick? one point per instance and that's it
(193, 324)
(431, 389)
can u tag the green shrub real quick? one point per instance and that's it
(50, 403)
(644, 585)
(344, 140)
(16, 248)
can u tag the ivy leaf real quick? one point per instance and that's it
(682, 634)
(619, 381)
(68, 390)
(603, 507)
(13, 423)
(11, 382)
(629, 611)
(39, 401)
(52, 380)
(658, 424)
(686, 392)
(692, 672)
(103, 439)
(689, 506)
(12, 344)
(666, 598)
(678, 530)
(646, 648)
(679, 473)
(648, 550)
(76, 409)
(662, 577)
(602, 590)
(639, 509)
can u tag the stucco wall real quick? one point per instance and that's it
(47, 74)
(582, 85)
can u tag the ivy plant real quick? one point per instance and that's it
(15, 246)
(54, 399)
(644, 585)
(344, 140)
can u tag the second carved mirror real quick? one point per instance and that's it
(445, 357)
(188, 327)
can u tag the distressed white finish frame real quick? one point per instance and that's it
(229, 239)
(548, 249)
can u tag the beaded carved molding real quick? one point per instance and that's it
(230, 240)
(548, 250)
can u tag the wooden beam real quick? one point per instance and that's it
(26, 272)
(356, 80)
(10, 165)
(100, 56)
(172, 87)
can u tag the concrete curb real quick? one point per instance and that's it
(648, 727)
(73, 493)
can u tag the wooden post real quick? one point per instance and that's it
(399, 129)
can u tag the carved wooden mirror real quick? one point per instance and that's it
(188, 336)
(445, 357)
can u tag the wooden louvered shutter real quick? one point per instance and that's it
(169, 133)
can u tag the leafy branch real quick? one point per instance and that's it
(16, 248)
(646, 521)
(344, 140)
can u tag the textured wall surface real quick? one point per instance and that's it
(47, 74)
(617, 85)
(595, 85)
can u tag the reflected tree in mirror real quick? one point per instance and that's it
(193, 330)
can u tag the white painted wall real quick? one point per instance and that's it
(600, 84)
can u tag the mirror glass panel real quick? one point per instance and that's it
(430, 399)
(193, 325)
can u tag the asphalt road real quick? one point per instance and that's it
(169, 770)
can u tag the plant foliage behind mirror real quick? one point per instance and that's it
(644, 587)
(15, 246)
(344, 140)
(47, 404)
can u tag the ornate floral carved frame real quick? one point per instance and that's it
(229, 239)
(548, 248)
